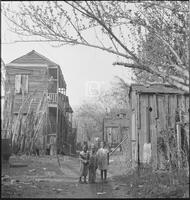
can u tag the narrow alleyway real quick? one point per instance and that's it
(41, 177)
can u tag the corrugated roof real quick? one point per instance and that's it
(33, 57)
(157, 88)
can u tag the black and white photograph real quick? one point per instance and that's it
(95, 99)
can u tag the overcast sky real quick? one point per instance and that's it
(82, 67)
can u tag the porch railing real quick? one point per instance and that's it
(52, 98)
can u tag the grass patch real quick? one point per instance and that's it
(161, 184)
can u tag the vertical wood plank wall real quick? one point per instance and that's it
(153, 128)
(161, 117)
(134, 128)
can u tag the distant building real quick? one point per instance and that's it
(116, 128)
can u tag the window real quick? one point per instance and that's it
(21, 84)
(62, 91)
(53, 73)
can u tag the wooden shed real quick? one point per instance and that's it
(153, 109)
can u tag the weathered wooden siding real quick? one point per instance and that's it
(143, 103)
(172, 110)
(150, 114)
(37, 80)
(153, 127)
(134, 128)
(36, 67)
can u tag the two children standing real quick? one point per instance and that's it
(89, 162)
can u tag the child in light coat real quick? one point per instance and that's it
(103, 161)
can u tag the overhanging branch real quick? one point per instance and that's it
(171, 80)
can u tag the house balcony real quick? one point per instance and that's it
(55, 100)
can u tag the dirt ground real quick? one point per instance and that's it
(41, 177)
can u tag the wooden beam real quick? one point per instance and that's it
(178, 127)
(26, 65)
(167, 110)
(138, 111)
(118, 145)
(154, 133)
(57, 122)
(148, 139)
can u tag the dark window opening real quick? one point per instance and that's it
(52, 118)
(53, 73)
(52, 87)
(150, 109)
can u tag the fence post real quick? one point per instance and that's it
(178, 128)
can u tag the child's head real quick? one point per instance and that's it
(85, 148)
(93, 147)
(102, 144)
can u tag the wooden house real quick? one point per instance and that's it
(34, 72)
(116, 128)
(153, 109)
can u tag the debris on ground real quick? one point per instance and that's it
(123, 184)
(15, 165)
(50, 173)
(32, 170)
(149, 184)
(116, 187)
(40, 180)
(33, 186)
(20, 183)
(13, 181)
(100, 193)
(59, 190)
(5, 178)
(26, 183)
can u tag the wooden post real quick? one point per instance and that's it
(57, 116)
(103, 131)
(178, 127)
(138, 161)
(138, 130)
(148, 137)
(167, 110)
(118, 145)
(138, 111)
(154, 134)
(154, 147)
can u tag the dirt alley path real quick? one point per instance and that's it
(42, 178)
